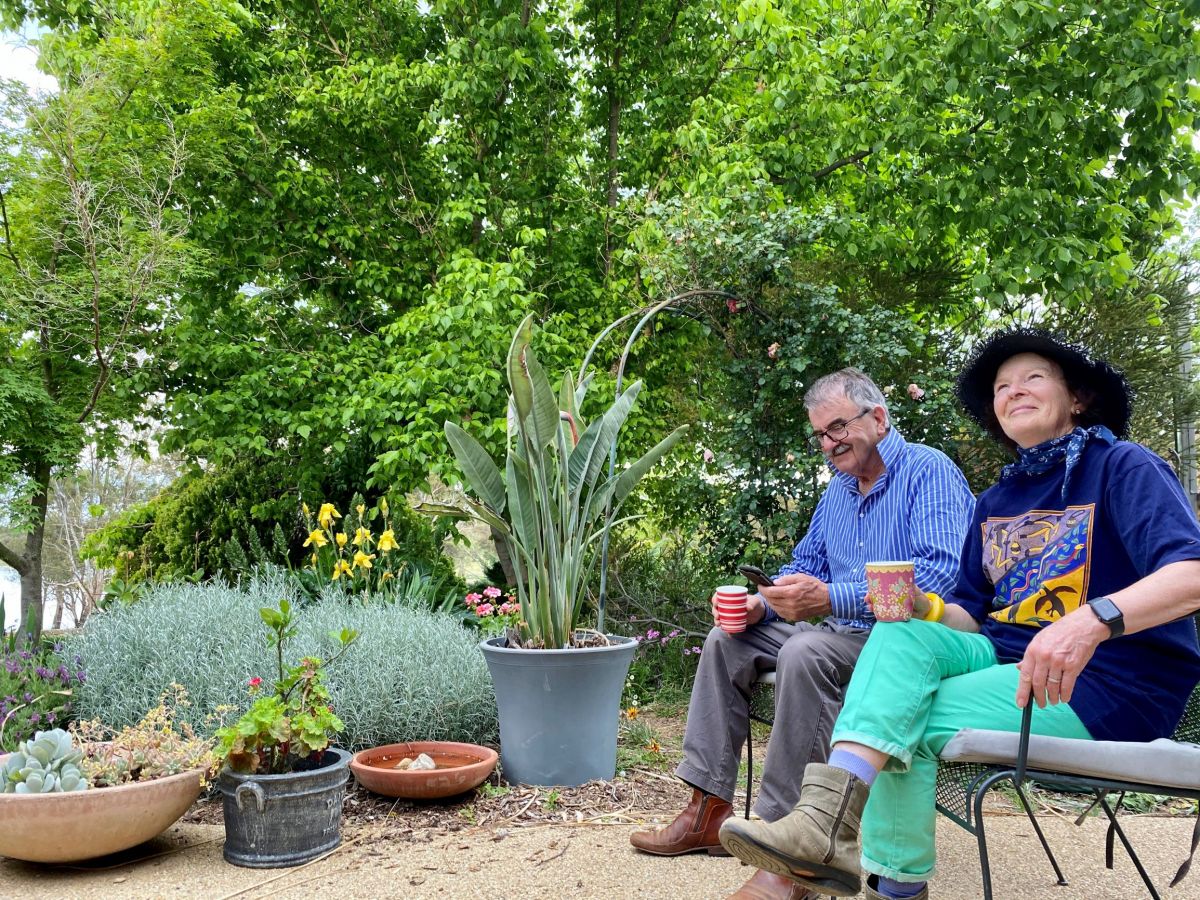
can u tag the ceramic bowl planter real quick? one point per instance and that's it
(69, 827)
(273, 821)
(460, 768)
(559, 710)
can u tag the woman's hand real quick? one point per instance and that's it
(1056, 656)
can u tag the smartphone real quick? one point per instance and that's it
(756, 575)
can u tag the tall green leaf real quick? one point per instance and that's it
(481, 472)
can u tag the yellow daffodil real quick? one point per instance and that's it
(383, 506)
(314, 560)
(327, 514)
(363, 560)
(340, 568)
(361, 508)
(386, 576)
(304, 509)
(342, 537)
(387, 541)
(361, 536)
(316, 538)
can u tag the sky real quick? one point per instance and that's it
(18, 61)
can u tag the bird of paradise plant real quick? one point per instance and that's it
(554, 496)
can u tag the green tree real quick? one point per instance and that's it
(93, 244)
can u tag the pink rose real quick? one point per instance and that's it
(915, 392)
(773, 350)
(709, 456)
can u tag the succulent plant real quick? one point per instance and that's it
(46, 764)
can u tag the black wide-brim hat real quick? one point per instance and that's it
(1111, 406)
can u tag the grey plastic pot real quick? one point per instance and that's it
(559, 710)
(274, 821)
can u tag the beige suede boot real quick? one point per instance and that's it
(816, 844)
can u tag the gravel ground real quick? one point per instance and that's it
(506, 842)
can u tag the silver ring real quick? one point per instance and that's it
(1053, 680)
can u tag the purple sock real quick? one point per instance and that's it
(854, 764)
(899, 890)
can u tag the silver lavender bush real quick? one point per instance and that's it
(414, 674)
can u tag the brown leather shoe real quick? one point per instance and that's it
(764, 885)
(693, 831)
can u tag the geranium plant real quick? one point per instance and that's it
(288, 728)
(550, 502)
(492, 611)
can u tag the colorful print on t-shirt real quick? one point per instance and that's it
(1039, 563)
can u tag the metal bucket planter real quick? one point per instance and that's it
(273, 821)
(559, 710)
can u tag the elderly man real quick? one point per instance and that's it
(888, 499)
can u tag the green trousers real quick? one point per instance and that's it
(915, 686)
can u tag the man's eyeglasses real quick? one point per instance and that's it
(835, 432)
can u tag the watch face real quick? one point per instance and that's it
(1108, 613)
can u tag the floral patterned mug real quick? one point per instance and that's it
(890, 590)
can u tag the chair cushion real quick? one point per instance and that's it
(1161, 762)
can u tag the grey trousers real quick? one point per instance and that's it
(812, 666)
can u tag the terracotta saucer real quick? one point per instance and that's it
(460, 767)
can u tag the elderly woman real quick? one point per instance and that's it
(1078, 579)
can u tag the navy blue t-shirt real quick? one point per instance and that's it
(1032, 556)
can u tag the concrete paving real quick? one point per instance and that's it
(591, 860)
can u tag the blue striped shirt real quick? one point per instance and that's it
(919, 509)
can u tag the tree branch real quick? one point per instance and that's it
(9, 558)
(840, 164)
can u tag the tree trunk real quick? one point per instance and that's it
(506, 563)
(31, 558)
(60, 600)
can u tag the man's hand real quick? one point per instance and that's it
(755, 609)
(798, 597)
(1056, 656)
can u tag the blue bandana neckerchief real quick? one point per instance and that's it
(1045, 456)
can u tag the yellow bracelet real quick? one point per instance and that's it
(937, 608)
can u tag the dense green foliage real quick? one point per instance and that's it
(378, 193)
(415, 675)
(226, 521)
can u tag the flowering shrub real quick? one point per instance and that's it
(663, 668)
(490, 614)
(295, 722)
(35, 689)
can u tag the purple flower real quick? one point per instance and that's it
(652, 635)
(43, 672)
(25, 654)
(58, 648)
(674, 633)
(28, 697)
(50, 716)
(696, 650)
(35, 718)
(81, 676)
(687, 652)
(13, 666)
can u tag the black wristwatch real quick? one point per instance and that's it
(1108, 613)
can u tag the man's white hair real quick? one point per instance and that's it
(853, 384)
